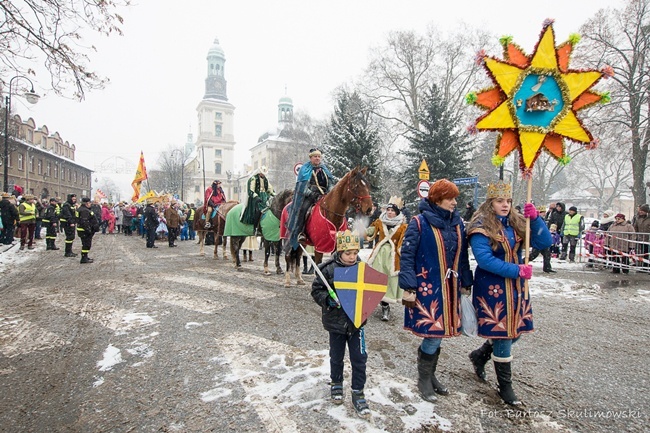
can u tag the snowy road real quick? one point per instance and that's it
(164, 340)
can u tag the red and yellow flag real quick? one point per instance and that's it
(140, 175)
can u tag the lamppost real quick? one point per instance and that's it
(32, 98)
(182, 170)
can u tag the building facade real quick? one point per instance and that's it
(282, 148)
(214, 150)
(43, 164)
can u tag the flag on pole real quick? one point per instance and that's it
(359, 288)
(140, 175)
(99, 194)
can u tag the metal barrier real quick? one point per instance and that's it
(618, 250)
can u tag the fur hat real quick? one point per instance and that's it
(609, 213)
(499, 190)
(347, 241)
(5, 195)
(620, 215)
(645, 208)
(264, 170)
(442, 189)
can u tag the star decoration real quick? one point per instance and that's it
(535, 100)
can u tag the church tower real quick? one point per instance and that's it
(215, 141)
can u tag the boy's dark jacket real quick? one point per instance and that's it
(334, 319)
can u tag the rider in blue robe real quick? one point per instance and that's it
(313, 181)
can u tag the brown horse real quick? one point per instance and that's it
(353, 189)
(218, 223)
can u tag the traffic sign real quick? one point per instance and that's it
(466, 180)
(423, 171)
(296, 168)
(423, 188)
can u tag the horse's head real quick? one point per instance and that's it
(359, 189)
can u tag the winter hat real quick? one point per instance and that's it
(595, 224)
(442, 189)
(573, 208)
(609, 213)
(620, 215)
(645, 208)
(85, 200)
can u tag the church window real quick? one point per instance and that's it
(197, 188)
(217, 130)
(218, 116)
(217, 168)
(20, 161)
(217, 153)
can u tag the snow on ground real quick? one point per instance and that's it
(112, 357)
(11, 255)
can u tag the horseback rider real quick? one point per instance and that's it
(214, 197)
(259, 191)
(313, 181)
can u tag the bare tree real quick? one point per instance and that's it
(108, 187)
(52, 31)
(620, 39)
(167, 179)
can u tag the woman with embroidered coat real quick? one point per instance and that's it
(434, 266)
(496, 235)
(389, 229)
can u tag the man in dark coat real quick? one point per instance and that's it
(9, 217)
(69, 223)
(51, 221)
(151, 224)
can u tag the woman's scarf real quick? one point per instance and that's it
(391, 222)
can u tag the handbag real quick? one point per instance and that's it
(468, 320)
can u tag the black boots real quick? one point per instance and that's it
(428, 384)
(480, 357)
(68, 251)
(85, 258)
(385, 312)
(504, 377)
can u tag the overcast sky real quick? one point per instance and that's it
(157, 68)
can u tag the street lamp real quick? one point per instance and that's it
(32, 98)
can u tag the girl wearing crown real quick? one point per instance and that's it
(503, 308)
(389, 228)
(434, 266)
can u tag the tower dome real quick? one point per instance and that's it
(215, 82)
(216, 50)
(285, 111)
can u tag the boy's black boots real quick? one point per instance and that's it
(425, 374)
(480, 357)
(504, 377)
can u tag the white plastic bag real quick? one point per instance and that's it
(469, 324)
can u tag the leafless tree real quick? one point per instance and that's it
(620, 39)
(52, 31)
(167, 178)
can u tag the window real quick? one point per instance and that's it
(30, 135)
(40, 166)
(74, 177)
(197, 188)
(217, 168)
(217, 153)
(263, 161)
(56, 171)
(69, 175)
(218, 116)
(44, 142)
(30, 164)
(48, 169)
(217, 130)
(20, 161)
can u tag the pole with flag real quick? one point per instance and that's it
(140, 175)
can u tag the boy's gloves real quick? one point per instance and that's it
(526, 271)
(530, 211)
(408, 299)
(331, 302)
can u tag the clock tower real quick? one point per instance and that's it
(214, 152)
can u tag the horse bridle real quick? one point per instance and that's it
(356, 200)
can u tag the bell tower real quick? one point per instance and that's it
(215, 82)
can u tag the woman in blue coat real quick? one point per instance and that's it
(496, 235)
(434, 266)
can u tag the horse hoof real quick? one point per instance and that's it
(240, 269)
(279, 272)
(300, 283)
(267, 273)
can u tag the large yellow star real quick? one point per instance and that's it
(535, 100)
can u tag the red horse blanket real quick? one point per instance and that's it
(320, 231)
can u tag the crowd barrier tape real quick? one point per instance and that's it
(636, 260)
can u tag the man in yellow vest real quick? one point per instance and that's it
(190, 222)
(27, 216)
(573, 227)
